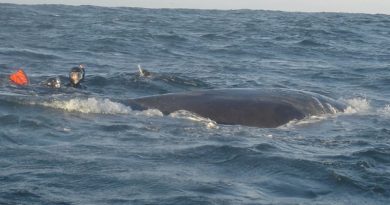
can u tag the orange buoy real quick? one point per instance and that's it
(19, 77)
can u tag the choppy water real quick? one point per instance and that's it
(72, 146)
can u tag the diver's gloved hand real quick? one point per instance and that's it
(53, 82)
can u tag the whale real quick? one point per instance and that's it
(264, 108)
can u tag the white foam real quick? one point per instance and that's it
(183, 114)
(151, 113)
(90, 105)
(307, 120)
(357, 105)
(385, 111)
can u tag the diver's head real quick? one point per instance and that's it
(76, 75)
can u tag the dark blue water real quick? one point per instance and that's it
(70, 146)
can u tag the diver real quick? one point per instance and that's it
(76, 76)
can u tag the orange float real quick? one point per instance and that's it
(19, 77)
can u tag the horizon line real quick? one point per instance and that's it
(205, 9)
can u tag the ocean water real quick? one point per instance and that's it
(72, 146)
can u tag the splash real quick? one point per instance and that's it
(183, 114)
(357, 105)
(90, 105)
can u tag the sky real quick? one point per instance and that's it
(350, 6)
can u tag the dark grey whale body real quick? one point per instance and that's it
(251, 107)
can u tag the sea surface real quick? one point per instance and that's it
(83, 146)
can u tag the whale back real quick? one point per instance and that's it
(250, 107)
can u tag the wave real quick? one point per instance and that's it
(26, 53)
(155, 83)
(170, 38)
(311, 43)
(213, 37)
